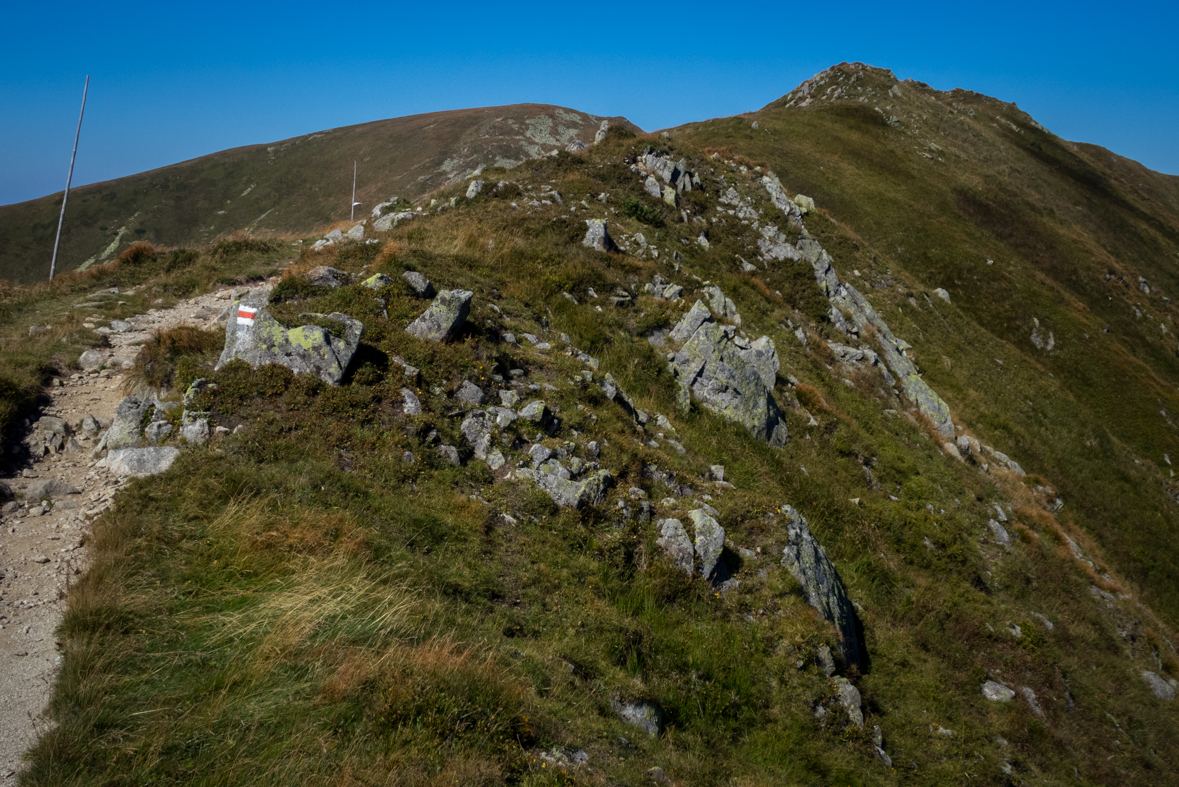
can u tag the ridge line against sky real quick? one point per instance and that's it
(171, 83)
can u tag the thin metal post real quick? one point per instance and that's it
(352, 214)
(69, 179)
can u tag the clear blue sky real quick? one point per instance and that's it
(173, 81)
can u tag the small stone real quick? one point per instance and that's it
(471, 394)
(449, 453)
(419, 284)
(41, 559)
(325, 276)
(997, 692)
(411, 405)
(945, 296)
(643, 714)
(1161, 689)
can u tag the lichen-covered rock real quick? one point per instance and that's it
(601, 133)
(420, 285)
(711, 368)
(449, 453)
(474, 189)
(258, 339)
(619, 397)
(597, 236)
(377, 281)
(536, 411)
(710, 541)
(356, 233)
(696, 316)
(674, 541)
(139, 462)
(805, 559)
(721, 305)
(445, 317)
(91, 360)
(805, 204)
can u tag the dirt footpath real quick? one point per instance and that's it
(42, 546)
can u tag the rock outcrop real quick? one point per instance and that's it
(728, 375)
(852, 314)
(804, 558)
(258, 339)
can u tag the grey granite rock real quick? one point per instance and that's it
(445, 317)
(806, 560)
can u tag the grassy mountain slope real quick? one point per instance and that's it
(297, 603)
(288, 186)
(1029, 234)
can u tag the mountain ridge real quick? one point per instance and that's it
(290, 186)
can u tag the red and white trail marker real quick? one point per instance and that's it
(245, 315)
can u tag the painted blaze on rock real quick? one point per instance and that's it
(258, 339)
(805, 559)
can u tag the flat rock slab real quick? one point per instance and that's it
(139, 462)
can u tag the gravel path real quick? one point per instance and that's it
(42, 551)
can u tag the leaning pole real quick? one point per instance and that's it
(69, 179)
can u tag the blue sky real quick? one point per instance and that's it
(173, 81)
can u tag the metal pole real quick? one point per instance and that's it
(352, 214)
(69, 179)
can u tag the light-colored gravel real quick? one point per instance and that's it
(42, 553)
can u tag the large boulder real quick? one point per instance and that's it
(712, 368)
(258, 339)
(804, 558)
(444, 318)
